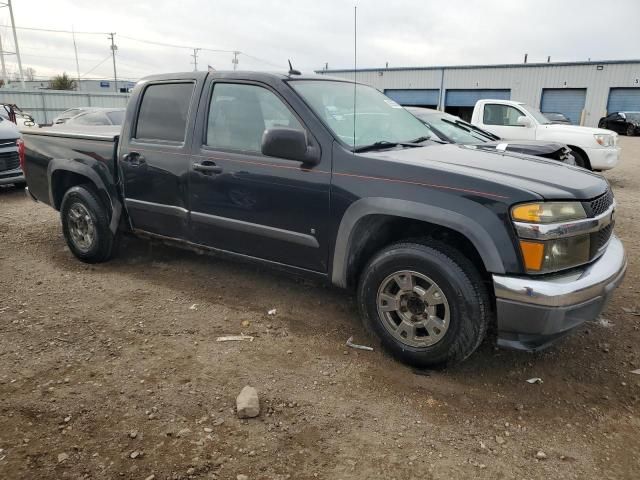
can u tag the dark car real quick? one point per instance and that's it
(452, 129)
(557, 117)
(439, 242)
(622, 122)
(94, 117)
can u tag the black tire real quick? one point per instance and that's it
(581, 161)
(102, 244)
(631, 130)
(460, 282)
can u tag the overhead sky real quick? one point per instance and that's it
(314, 32)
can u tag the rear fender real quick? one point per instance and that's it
(97, 174)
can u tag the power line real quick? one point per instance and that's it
(51, 30)
(101, 62)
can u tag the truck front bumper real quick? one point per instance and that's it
(603, 158)
(11, 176)
(534, 312)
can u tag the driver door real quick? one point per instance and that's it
(502, 120)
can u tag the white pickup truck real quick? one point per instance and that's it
(593, 148)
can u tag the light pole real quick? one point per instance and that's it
(114, 47)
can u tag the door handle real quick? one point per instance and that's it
(134, 159)
(207, 167)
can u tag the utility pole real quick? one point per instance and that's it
(5, 79)
(114, 47)
(15, 40)
(195, 59)
(235, 60)
(75, 48)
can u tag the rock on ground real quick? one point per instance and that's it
(247, 403)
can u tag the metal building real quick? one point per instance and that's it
(583, 91)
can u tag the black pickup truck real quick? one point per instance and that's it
(439, 241)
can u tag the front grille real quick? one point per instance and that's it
(599, 205)
(9, 161)
(7, 143)
(600, 239)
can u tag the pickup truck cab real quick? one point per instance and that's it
(439, 241)
(593, 148)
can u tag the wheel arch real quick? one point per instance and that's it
(369, 217)
(583, 154)
(64, 174)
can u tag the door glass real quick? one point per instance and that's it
(97, 118)
(163, 112)
(504, 115)
(239, 114)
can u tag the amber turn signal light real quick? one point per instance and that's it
(533, 254)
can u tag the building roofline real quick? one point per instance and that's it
(500, 65)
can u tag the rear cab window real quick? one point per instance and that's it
(164, 112)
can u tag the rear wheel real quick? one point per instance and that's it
(85, 224)
(631, 130)
(426, 302)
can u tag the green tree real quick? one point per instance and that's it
(62, 82)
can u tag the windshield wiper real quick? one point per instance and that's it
(382, 144)
(424, 138)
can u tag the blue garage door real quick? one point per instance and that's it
(414, 97)
(624, 100)
(468, 98)
(568, 101)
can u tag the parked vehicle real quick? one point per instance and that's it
(593, 148)
(439, 241)
(11, 147)
(94, 117)
(14, 114)
(557, 117)
(622, 122)
(452, 129)
(69, 113)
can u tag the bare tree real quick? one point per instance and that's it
(30, 74)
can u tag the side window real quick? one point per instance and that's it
(163, 112)
(239, 114)
(504, 115)
(96, 118)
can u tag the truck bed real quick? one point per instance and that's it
(47, 148)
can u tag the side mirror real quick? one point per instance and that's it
(290, 144)
(524, 121)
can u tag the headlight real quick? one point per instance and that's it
(604, 140)
(548, 212)
(542, 256)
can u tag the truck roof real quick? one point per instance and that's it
(240, 75)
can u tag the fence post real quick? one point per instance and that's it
(44, 107)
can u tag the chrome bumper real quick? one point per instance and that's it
(532, 312)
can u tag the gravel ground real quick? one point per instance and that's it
(113, 371)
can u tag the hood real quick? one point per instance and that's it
(550, 179)
(576, 129)
(8, 130)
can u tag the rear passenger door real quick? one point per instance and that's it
(245, 202)
(154, 158)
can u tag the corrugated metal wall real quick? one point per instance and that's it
(526, 82)
(44, 105)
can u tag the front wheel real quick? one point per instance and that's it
(85, 224)
(631, 130)
(580, 160)
(426, 302)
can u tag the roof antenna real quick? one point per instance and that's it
(292, 71)
(355, 64)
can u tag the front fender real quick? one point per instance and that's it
(478, 224)
(97, 174)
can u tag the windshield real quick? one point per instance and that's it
(454, 129)
(377, 119)
(537, 114)
(635, 116)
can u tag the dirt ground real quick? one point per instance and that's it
(113, 371)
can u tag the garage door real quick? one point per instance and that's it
(568, 101)
(468, 98)
(624, 100)
(414, 97)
